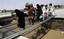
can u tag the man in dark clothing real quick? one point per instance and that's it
(39, 11)
(21, 18)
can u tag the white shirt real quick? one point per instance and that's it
(43, 8)
(52, 10)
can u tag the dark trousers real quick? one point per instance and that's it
(21, 23)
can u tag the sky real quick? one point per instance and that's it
(20, 4)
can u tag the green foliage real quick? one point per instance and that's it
(40, 30)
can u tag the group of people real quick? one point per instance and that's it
(40, 13)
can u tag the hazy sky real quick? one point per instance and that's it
(19, 4)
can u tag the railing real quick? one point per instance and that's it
(28, 29)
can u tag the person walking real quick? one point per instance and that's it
(45, 13)
(51, 10)
(31, 14)
(39, 11)
(21, 18)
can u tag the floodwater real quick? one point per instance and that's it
(59, 13)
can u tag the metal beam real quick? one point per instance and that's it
(28, 29)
